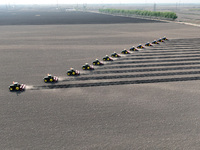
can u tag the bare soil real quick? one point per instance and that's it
(148, 100)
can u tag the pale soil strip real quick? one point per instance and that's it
(187, 23)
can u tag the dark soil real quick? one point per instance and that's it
(70, 17)
(135, 102)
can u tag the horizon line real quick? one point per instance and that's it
(95, 3)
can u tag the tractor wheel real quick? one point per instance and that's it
(45, 80)
(73, 73)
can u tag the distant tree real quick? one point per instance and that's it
(170, 15)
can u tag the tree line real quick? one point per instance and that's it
(170, 15)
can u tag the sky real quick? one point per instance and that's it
(93, 1)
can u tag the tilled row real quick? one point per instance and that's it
(169, 54)
(115, 83)
(145, 70)
(134, 76)
(153, 61)
(159, 57)
(150, 65)
(170, 51)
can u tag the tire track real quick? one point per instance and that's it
(174, 49)
(162, 57)
(114, 83)
(151, 61)
(185, 41)
(150, 65)
(134, 76)
(145, 70)
(169, 51)
(161, 54)
(186, 45)
(177, 43)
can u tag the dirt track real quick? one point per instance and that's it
(153, 115)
